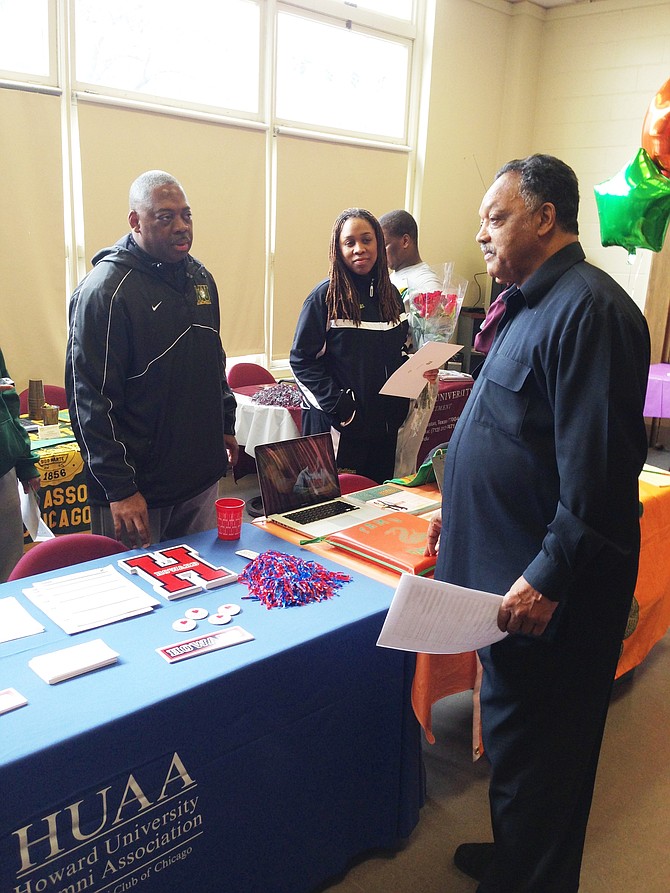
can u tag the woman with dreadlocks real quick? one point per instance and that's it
(350, 337)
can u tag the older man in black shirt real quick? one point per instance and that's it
(541, 505)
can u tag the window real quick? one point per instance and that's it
(300, 97)
(205, 54)
(24, 38)
(401, 9)
(337, 78)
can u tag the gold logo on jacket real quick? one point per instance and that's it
(202, 294)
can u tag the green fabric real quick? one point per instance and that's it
(14, 442)
(425, 474)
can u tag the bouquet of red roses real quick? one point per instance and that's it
(433, 315)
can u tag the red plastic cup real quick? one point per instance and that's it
(229, 518)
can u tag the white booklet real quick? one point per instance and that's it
(408, 380)
(397, 499)
(440, 618)
(73, 661)
(406, 501)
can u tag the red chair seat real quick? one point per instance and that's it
(350, 483)
(242, 374)
(63, 551)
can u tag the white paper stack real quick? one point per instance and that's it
(88, 599)
(73, 661)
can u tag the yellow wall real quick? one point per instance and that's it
(315, 182)
(222, 170)
(601, 65)
(32, 250)
(511, 79)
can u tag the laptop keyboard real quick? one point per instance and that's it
(319, 512)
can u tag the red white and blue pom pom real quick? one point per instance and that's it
(284, 581)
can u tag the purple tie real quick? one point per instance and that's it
(486, 334)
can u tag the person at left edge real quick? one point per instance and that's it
(16, 461)
(145, 376)
(351, 335)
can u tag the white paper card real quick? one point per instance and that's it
(15, 621)
(659, 477)
(408, 380)
(440, 618)
(10, 699)
(203, 644)
(32, 520)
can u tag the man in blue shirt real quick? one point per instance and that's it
(541, 505)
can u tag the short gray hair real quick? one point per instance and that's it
(142, 188)
(544, 178)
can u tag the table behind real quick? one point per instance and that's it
(63, 493)
(258, 423)
(264, 766)
(262, 423)
(657, 402)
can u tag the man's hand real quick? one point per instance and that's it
(525, 610)
(431, 374)
(232, 447)
(433, 536)
(131, 520)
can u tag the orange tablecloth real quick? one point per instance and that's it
(650, 613)
(440, 675)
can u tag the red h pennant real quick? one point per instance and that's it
(177, 571)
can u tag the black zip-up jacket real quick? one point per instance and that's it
(335, 359)
(145, 377)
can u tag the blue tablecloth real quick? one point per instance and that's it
(262, 767)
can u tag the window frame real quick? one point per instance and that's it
(73, 99)
(88, 91)
(62, 75)
(346, 133)
(23, 80)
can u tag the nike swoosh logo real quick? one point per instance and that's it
(156, 306)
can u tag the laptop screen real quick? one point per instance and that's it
(297, 473)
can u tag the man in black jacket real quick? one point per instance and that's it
(145, 375)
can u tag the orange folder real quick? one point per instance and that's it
(395, 541)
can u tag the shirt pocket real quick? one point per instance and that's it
(503, 402)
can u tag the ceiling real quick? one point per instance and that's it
(550, 4)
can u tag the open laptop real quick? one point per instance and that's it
(300, 488)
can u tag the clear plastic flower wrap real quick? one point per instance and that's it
(433, 316)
